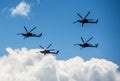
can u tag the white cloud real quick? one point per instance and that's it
(27, 65)
(21, 9)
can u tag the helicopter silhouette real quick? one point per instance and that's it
(86, 44)
(48, 51)
(29, 34)
(85, 20)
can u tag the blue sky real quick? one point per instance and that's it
(54, 19)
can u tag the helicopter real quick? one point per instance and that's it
(48, 51)
(29, 34)
(85, 20)
(86, 44)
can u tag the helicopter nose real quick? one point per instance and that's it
(80, 44)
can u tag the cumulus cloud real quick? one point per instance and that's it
(29, 65)
(21, 9)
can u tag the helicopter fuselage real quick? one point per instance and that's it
(83, 21)
(87, 45)
(29, 34)
(45, 51)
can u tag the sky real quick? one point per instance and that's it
(54, 18)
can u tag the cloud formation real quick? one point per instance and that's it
(21, 9)
(28, 65)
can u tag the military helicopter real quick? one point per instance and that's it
(48, 51)
(86, 44)
(85, 20)
(29, 34)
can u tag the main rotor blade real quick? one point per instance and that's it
(48, 46)
(19, 33)
(41, 47)
(79, 15)
(89, 39)
(81, 48)
(82, 24)
(75, 22)
(82, 40)
(87, 14)
(51, 49)
(76, 44)
(32, 29)
(25, 29)
(90, 19)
